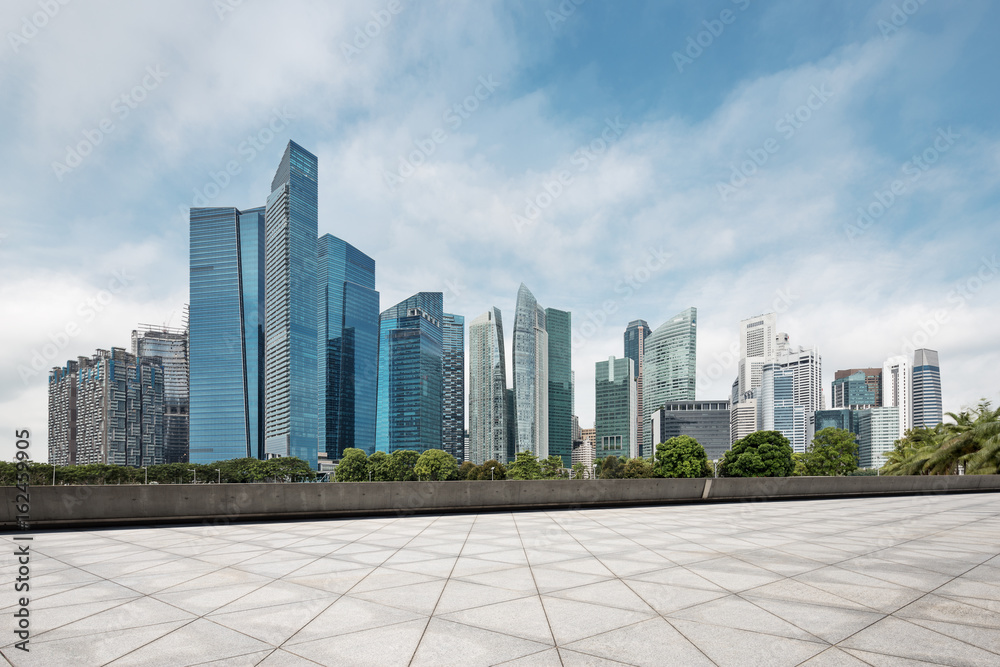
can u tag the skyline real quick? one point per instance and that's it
(642, 227)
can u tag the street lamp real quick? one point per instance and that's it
(491, 472)
(145, 474)
(219, 470)
(194, 473)
(594, 466)
(53, 474)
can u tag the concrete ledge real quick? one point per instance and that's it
(91, 506)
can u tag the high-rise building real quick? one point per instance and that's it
(588, 434)
(348, 347)
(926, 393)
(531, 375)
(615, 408)
(878, 431)
(410, 375)
(170, 345)
(743, 417)
(897, 390)
(558, 325)
(777, 409)
(291, 334)
(635, 342)
(707, 422)
(842, 418)
(453, 385)
(857, 388)
(583, 454)
(577, 433)
(107, 409)
(758, 346)
(669, 368)
(806, 366)
(511, 425)
(226, 334)
(488, 426)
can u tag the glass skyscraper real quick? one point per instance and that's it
(777, 408)
(453, 385)
(559, 326)
(927, 409)
(635, 343)
(531, 375)
(291, 321)
(226, 335)
(348, 347)
(409, 408)
(857, 388)
(614, 408)
(669, 367)
(488, 425)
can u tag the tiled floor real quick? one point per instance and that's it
(889, 581)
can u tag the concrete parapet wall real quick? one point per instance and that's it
(93, 506)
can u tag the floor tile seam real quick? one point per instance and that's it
(803, 663)
(818, 638)
(497, 632)
(41, 635)
(155, 639)
(285, 646)
(275, 650)
(923, 629)
(690, 641)
(981, 648)
(954, 597)
(423, 633)
(216, 611)
(545, 612)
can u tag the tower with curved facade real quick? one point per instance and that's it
(531, 375)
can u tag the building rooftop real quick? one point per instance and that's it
(867, 581)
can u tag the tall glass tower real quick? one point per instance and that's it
(669, 367)
(487, 389)
(531, 375)
(559, 325)
(635, 344)
(226, 335)
(291, 324)
(409, 408)
(927, 409)
(453, 385)
(614, 408)
(348, 347)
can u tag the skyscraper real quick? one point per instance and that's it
(453, 385)
(615, 408)
(531, 375)
(291, 322)
(171, 347)
(927, 409)
(226, 337)
(558, 325)
(410, 377)
(488, 425)
(857, 388)
(777, 407)
(878, 431)
(897, 390)
(635, 340)
(758, 346)
(348, 347)
(669, 367)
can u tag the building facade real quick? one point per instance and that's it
(878, 431)
(171, 347)
(669, 368)
(706, 421)
(615, 409)
(777, 409)
(926, 392)
(758, 346)
(897, 390)
(291, 322)
(857, 388)
(531, 375)
(453, 385)
(488, 426)
(559, 327)
(635, 342)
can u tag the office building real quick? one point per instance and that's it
(878, 431)
(410, 376)
(842, 418)
(226, 334)
(758, 346)
(669, 368)
(170, 345)
(488, 426)
(348, 330)
(615, 409)
(635, 342)
(743, 417)
(291, 320)
(806, 366)
(588, 434)
(777, 409)
(926, 393)
(453, 385)
(558, 326)
(531, 375)
(707, 422)
(857, 388)
(511, 426)
(897, 390)
(583, 454)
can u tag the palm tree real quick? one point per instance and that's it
(912, 452)
(973, 441)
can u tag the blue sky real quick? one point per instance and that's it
(614, 183)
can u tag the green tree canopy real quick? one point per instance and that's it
(580, 471)
(353, 466)
(760, 454)
(552, 468)
(610, 467)
(436, 465)
(402, 463)
(637, 469)
(681, 456)
(833, 451)
(525, 466)
(483, 472)
(380, 467)
(465, 469)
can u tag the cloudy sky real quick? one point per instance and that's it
(839, 164)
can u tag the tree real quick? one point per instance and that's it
(483, 472)
(465, 469)
(436, 465)
(972, 441)
(552, 468)
(580, 471)
(760, 454)
(832, 452)
(380, 467)
(401, 463)
(525, 466)
(637, 469)
(681, 456)
(610, 468)
(353, 466)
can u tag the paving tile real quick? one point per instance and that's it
(419, 598)
(448, 643)
(902, 639)
(829, 623)
(348, 615)
(193, 643)
(613, 593)
(666, 599)
(546, 658)
(275, 624)
(646, 643)
(741, 648)
(834, 657)
(524, 618)
(93, 649)
(576, 659)
(571, 620)
(733, 611)
(386, 647)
